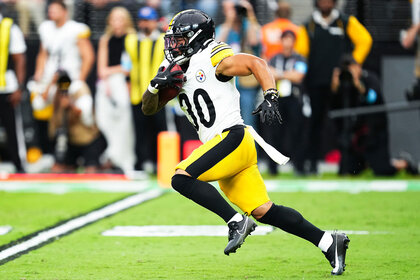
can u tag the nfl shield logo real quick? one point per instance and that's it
(200, 76)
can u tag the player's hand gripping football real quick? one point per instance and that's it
(268, 109)
(165, 78)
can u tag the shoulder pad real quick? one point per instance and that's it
(220, 51)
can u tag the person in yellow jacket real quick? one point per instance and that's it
(12, 76)
(323, 40)
(145, 52)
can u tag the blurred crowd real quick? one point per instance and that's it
(95, 58)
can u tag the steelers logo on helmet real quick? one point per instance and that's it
(188, 32)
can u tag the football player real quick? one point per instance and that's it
(210, 100)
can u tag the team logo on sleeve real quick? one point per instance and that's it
(200, 76)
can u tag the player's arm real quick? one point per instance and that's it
(19, 61)
(41, 60)
(294, 76)
(151, 103)
(245, 65)
(361, 39)
(409, 36)
(88, 57)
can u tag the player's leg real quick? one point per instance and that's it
(203, 194)
(240, 189)
(333, 246)
(7, 115)
(208, 163)
(247, 190)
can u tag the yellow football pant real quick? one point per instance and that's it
(230, 159)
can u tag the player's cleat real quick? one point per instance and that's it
(238, 231)
(336, 254)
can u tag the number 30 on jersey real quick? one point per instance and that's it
(199, 93)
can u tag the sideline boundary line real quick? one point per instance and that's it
(38, 239)
(273, 185)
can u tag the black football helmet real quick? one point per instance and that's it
(188, 31)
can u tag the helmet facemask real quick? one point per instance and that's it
(176, 47)
(186, 35)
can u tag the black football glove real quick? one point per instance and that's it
(166, 78)
(268, 109)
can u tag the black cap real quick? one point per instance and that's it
(288, 32)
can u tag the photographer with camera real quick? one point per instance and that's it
(73, 127)
(323, 39)
(241, 31)
(363, 140)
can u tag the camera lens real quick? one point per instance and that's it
(240, 10)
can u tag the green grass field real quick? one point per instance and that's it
(391, 250)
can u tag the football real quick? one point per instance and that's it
(171, 92)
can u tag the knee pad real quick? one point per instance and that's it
(182, 183)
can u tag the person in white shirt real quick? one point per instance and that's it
(64, 46)
(12, 52)
(112, 99)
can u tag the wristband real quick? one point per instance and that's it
(271, 91)
(152, 89)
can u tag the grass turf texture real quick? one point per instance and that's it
(86, 254)
(30, 212)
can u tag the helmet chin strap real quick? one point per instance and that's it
(181, 59)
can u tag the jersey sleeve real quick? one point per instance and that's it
(219, 52)
(17, 41)
(43, 31)
(83, 31)
(302, 45)
(361, 38)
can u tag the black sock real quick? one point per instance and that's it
(203, 194)
(292, 222)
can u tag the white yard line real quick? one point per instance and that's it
(79, 222)
(289, 185)
(199, 230)
(5, 229)
(60, 187)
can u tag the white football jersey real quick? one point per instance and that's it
(210, 104)
(61, 45)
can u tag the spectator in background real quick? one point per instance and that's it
(93, 13)
(113, 114)
(271, 32)
(241, 31)
(12, 47)
(30, 10)
(409, 37)
(408, 40)
(289, 70)
(366, 143)
(73, 126)
(323, 39)
(145, 51)
(65, 45)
